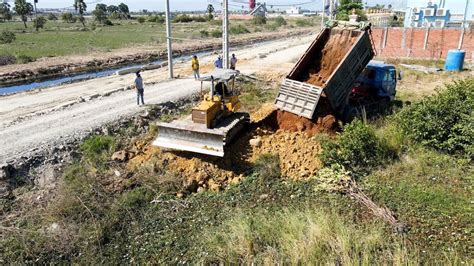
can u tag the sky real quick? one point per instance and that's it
(457, 6)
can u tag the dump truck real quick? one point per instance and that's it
(213, 123)
(329, 68)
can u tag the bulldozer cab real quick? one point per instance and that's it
(222, 82)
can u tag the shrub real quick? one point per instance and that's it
(444, 121)
(7, 60)
(280, 21)
(182, 19)
(259, 20)
(7, 37)
(216, 33)
(204, 33)
(141, 20)
(267, 166)
(52, 17)
(68, 18)
(303, 22)
(156, 19)
(199, 19)
(38, 23)
(356, 148)
(239, 29)
(23, 59)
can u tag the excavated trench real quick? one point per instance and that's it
(271, 131)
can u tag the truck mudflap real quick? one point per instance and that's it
(185, 135)
(298, 98)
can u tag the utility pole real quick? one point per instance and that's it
(322, 14)
(225, 32)
(36, 12)
(461, 39)
(168, 40)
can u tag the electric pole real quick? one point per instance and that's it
(168, 40)
(36, 12)
(461, 39)
(225, 32)
(322, 14)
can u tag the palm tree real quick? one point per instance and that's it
(81, 8)
(23, 9)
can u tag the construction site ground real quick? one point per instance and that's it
(31, 120)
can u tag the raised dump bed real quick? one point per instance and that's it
(331, 64)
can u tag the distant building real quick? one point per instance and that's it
(385, 17)
(294, 10)
(434, 16)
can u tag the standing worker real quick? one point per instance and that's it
(233, 62)
(139, 88)
(218, 62)
(195, 66)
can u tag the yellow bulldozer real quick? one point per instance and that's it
(213, 123)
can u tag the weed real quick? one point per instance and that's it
(259, 20)
(7, 60)
(216, 33)
(239, 29)
(267, 166)
(7, 37)
(97, 149)
(24, 59)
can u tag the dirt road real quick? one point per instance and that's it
(36, 120)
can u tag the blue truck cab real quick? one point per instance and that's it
(378, 80)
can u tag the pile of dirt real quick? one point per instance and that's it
(276, 132)
(336, 48)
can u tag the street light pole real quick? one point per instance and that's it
(168, 40)
(463, 30)
(225, 32)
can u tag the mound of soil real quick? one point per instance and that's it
(336, 48)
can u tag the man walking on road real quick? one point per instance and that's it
(233, 62)
(195, 66)
(139, 88)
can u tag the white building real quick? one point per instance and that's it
(294, 10)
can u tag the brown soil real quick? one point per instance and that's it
(334, 51)
(280, 133)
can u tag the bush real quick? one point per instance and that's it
(204, 33)
(444, 121)
(182, 19)
(141, 20)
(216, 33)
(38, 23)
(280, 21)
(267, 166)
(356, 148)
(259, 20)
(239, 29)
(7, 60)
(303, 22)
(68, 18)
(7, 37)
(156, 19)
(199, 19)
(52, 17)
(24, 59)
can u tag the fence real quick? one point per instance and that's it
(425, 43)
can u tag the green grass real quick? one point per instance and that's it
(432, 193)
(60, 38)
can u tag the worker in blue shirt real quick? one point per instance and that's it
(218, 62)
(139, 88)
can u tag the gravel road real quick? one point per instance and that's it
(40, 119)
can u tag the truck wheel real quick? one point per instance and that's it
(350, 113)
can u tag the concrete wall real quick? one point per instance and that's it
(421, 43)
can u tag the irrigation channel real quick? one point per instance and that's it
(50, 82)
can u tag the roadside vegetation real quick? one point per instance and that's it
(104, 213)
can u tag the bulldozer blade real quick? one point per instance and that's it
(184, 135)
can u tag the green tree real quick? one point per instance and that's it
(112, 9)
(347, 6)
(5, 12)
(124, 11)
(39, 22)
(80, 6)
(210, 10)
(100, 13)
(23, 9)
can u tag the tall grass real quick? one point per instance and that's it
(310, 236)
